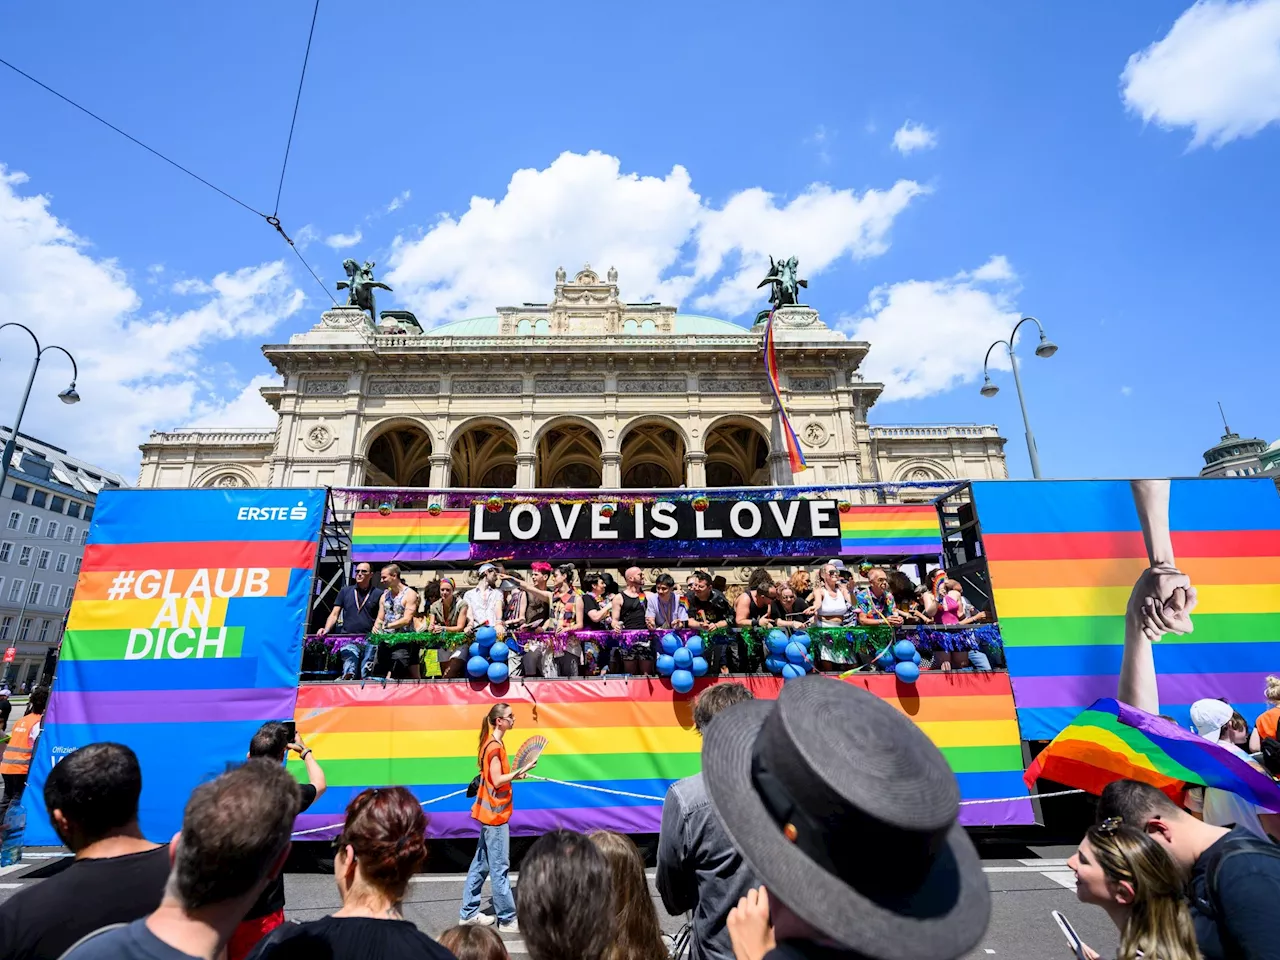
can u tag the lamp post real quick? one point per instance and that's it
(1046, 348)
(68, 395)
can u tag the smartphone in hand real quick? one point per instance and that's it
(1069, 932)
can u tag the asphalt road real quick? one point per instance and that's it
(1025, 886)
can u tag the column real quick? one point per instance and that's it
(779, 463)
(525, 463)
(695, 469)
(611, 470)
(440, 468)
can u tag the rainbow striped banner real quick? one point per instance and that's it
(795, 456)
(184, 637)
(904, 530)
(629, 739)
(1064, 556)
(411, 535)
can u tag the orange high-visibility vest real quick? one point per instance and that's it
(17, 754)
(493, 804)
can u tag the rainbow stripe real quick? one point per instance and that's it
(411, 535)
(905, 530)
(795, 456)
(1063, 558)
(630, 736)
(1114, 741)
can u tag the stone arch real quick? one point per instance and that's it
(397, 453)
(482, 453)
(920, 469)
(653, 451)
(227, 475)
(737, 450)
(568, 451)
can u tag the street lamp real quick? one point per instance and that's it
(69, 395)
(1045, 348)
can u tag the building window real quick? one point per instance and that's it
(24, 557)
(70, 593)
(58, 504)
(33, 526)
(25, 629)
(69, 534)
(44, 632)
(88, 513)
(33, 594)
(5, 626)
(51, 531)
(15, 590)
(20, 492)
(62, 563)
(43, 562)
(76, 568)
(6, 551)
(15, 518)
(84, 538)
(54, 591)
(73, 509)
(38, 498)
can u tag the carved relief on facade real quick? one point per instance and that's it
(313, 387)
(494, 387)
(403, 388)
(318, 438)
(653, 385)
(561, 385)
(809, 384)
(708, 384)
(815, 434)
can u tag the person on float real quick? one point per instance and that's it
(710, 611)
(788, 611)
(754, 608)
(629, 606)
(358, 605)
(597, 614)
(535, 657)
(801, 585)
(448, 615)
(395, 615)
(831, 606)
(566, 620)
(664, 610)
(493, 809)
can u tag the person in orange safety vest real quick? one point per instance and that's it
(16, 763)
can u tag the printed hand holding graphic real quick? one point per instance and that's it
(1162, 601)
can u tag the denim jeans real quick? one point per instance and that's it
(979, 660)
(361, 655)
(492, 859)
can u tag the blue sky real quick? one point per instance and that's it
(1130, 204)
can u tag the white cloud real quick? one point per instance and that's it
(928, 336)
(340, 241)
(190, 285)
(1126, 391)
(138, 370)
(399, 201)
(1217, 71)
(911, 137)
(307, 234)
(245, 409)
(665, 240)
(821, 138)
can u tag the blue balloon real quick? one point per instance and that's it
(907, 671)
(801, 638)
(670, 643)
(916, 658)
(696, 645)
(499, 652)
(682, 681)
(795, 652)
(498, 672)
(699, 668)
(773, 664)
(791, 672)
(666, 663)
(903, 649)
(683, 658)
(777, 640)
(474, 650)
(477, 666)
(486, 635)
(885, 661)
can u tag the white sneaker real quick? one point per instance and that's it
(510, 927)
(480, 920)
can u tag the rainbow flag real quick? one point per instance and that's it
(629, 739)
(795, 455)
(411, 535)
(1064, 556)
(902, 530)
(1114, 741)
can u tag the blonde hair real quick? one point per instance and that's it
(1273, 689)
(1160, 922)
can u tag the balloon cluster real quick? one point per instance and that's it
(901, 658)
(788, 655)
(682, 660)
(489, 656)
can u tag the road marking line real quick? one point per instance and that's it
(1014, 870)
(1044, 862)
(9, 886)
(1067, 879)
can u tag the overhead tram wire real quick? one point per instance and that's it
(297, 100)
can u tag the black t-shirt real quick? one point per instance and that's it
(359, 610)
(357, 938)
(272, 898)
(716, 607)
(589, 604)
(5, 709)
(796, 614)
(44, 920)
(1248, 891)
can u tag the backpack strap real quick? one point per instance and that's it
(90, 936)
(1235, 846)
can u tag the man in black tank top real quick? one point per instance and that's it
(753, 609)
(628, 614)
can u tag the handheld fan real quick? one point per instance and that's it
(529, 752)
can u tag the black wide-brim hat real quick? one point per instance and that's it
(847, 813)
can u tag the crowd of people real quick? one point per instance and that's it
(781, 848)
(553, 619)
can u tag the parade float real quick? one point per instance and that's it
(191, 617)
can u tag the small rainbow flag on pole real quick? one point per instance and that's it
(794, 453)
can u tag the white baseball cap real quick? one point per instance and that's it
(485, 568)
(1208, 717)
(837, 563)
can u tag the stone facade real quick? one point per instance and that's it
(584, 391)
